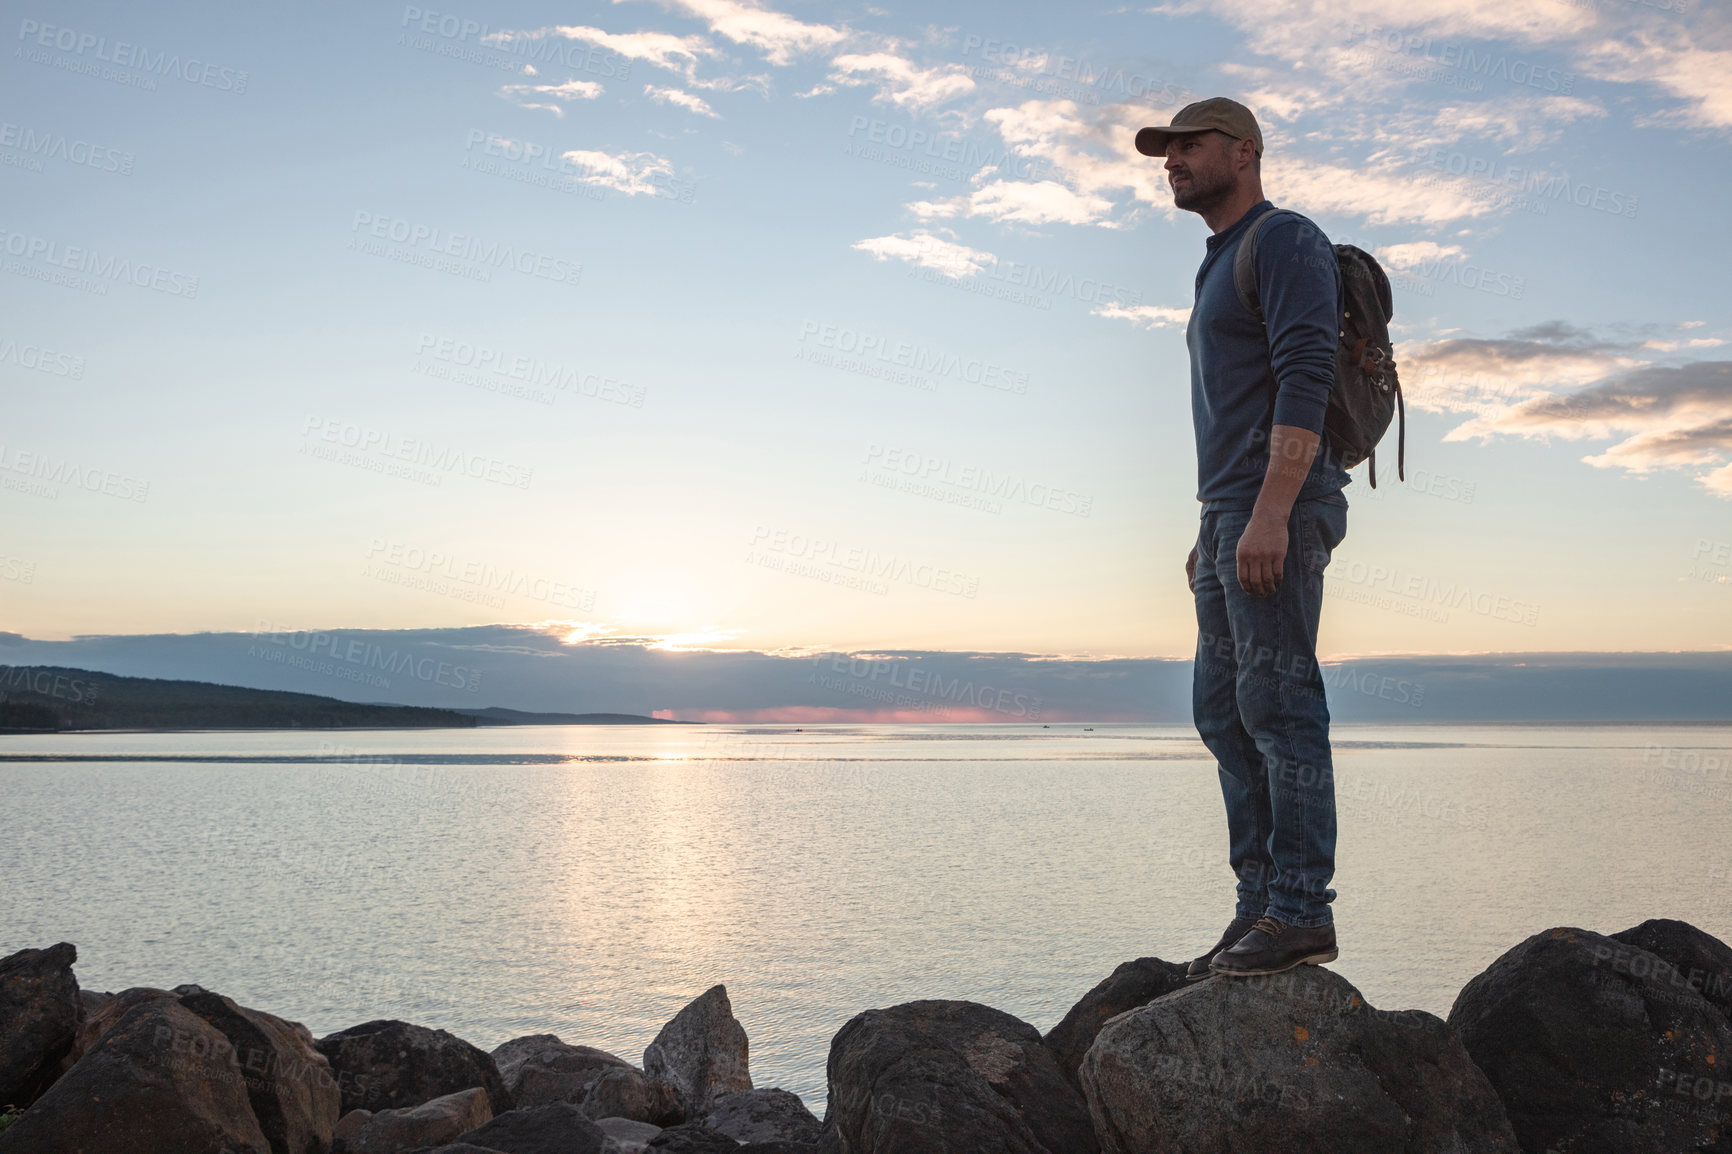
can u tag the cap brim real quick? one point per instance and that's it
(1153, 141)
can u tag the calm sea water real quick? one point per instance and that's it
(588, 881)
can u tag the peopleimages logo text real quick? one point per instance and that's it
(514, 48)
(1474, 62)
(104, 267)
(919, 358)
(58, 146)
(90, 46)
(465, 246)
(368, 655)
(444, 458)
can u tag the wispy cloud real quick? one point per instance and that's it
(1558, 380)
(779, 37)
(1090, 153)
(1677, 62)
(1359, 52)
(663, 49)
(924, 249)
(537, 95)
(677, 54)
(1485, 376)
(1145, 316)
(633, 173)
(1669, 418)
(1415, 253)
(899, 81)
(1021, 202)
(680, 99)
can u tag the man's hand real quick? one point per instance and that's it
(1191, 569)
(1263, 545)
(1262, 549)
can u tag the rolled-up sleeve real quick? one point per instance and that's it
(1299, 286)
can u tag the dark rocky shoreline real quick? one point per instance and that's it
(1570, 1043)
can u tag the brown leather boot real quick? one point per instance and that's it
(1273, 947)
(1236, 929)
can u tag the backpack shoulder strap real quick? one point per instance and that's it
(1245, 263)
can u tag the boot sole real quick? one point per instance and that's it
(1313, 960)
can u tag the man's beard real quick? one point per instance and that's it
(1202, 193)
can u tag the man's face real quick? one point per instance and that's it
(1200, 167)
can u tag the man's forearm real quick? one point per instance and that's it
(1291, 450)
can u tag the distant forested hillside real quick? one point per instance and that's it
(42, 697)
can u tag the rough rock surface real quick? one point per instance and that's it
(349, 1125)
(39, 1014)
(159, 1082)
(98, 1020)
(558, 1128)
(693, 1138)
(288, 1083)
(936, 1077)
(630, 1093)
(1596, 1044)
(1130, 985)
(102, 1012)
(702, 1052)
(389, 1064)
(1699, 961)
(430, 1124)
(540, 1069)
(631, 1137)
(192, 1066)
(1297, 1062)
(763, 1116)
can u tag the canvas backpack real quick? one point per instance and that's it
(1366, 392)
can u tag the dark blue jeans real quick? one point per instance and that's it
(1257, 697)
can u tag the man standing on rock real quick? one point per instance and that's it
(1272, 513)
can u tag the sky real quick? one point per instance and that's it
(818, 327)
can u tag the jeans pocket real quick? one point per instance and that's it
(1322, 525)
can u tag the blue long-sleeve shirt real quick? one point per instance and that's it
(1247, 375)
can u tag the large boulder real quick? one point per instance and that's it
(1296, 1062)
(936, 1077)
(630, 1093)
(1131, 984)
(39, 1015)
(1597, 1044)
(158, 1082)
(702, 1052)
(388, 1064)
(540, 1069)
(558, 1128)
(186, 1071)
(288, 1082)
(432, 1123)
(763, 1116)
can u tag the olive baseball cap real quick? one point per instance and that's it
(1216, 114)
